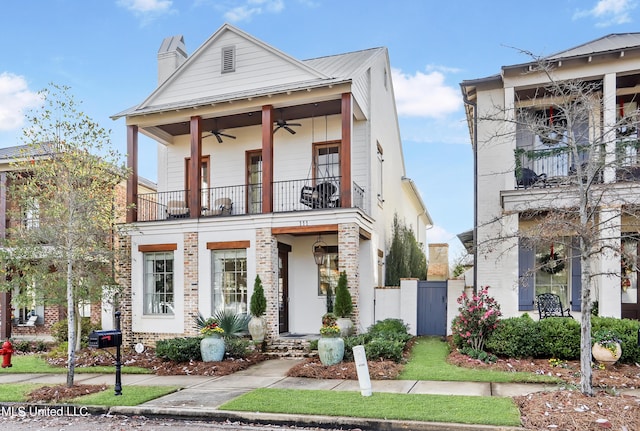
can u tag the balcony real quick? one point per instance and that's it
(292, 195)
(557, 166)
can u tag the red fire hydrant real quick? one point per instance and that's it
(6, 352)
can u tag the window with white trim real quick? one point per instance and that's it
(158, 283)
(229, 280)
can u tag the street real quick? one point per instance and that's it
(79, 421)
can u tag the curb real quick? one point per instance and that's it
(317, 421)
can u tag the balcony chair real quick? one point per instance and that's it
(322, 195)
(528, 178)
(177, 209)
(221, 206)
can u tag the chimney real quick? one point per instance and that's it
(171, 55)
(438, 262)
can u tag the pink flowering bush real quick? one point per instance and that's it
(479, 315)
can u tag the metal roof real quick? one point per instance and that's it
(344, 66)
(609, 43)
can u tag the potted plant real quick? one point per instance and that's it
(212, 344)
(343, 307)
(606, 346)
(330, 345)
(258, 306)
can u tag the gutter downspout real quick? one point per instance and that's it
(475, 186)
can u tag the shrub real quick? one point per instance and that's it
(388, 326)
(179, 349)
(515, 337)
(627, 330)
(380, 348)
(258, 304)
(478, 317)
(22, 346)
(343, 306)
(351, 342)
(560, 338)
(60, 330)
(237, 347)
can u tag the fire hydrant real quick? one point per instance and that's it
(6, 352)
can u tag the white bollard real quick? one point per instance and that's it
(362, 368)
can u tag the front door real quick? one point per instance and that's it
(283, 287)
(630, 307)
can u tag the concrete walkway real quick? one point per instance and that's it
(200, 396)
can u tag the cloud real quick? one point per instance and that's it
(147, 9)
(252, 8)
(15, 99)
(608, 12)
(424, 94)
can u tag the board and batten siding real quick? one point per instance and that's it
(255, 68)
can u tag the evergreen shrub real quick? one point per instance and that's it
(179, 349)
(515, 337)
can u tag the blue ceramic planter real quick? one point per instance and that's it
(330, 350)
(212, 348)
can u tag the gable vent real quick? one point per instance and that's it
(228, 59)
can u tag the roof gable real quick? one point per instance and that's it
(609, 43)
(257, 65)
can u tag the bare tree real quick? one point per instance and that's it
(563, 123)
(63, 197)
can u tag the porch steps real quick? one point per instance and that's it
(291, 347)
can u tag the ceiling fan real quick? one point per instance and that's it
(219, 133)
(283, 124)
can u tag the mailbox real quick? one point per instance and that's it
(102, 339)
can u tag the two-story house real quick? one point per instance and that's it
(265, 162)
(522, 176)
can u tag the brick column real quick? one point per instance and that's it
(267, 269)
(190, 282)
(123, 279)
(348, 260)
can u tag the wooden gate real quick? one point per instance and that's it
(432, 308)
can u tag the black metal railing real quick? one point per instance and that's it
(291, 195)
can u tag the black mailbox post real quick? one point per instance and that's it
(110, 338)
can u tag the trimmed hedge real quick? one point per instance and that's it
(557, 337)
(385, 339)
(182, 349)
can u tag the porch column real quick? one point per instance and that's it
(267, 159)
(345, 152)
(609, 125)
(348, 260)
(195, 168)
(5, 315)
(267, 269)
(132, 179)
(608, 280)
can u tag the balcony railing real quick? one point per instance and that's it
(547, 167)
(292, 195)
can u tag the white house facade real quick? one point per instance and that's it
(518, 172)
(262, 159)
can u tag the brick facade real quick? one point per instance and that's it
(267, 269)
(190, 282)
(349, 257)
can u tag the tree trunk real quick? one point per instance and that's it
(585, 327)
(71, 326)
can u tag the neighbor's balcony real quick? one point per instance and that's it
(292, 195)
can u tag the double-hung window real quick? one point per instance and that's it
(229, 280)
(158, 283)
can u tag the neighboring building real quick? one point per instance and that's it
(506, 195)
(14, 317)
(261, 156)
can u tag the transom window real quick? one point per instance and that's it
(229, 279)
(158, 283)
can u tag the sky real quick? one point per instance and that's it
(106, 52)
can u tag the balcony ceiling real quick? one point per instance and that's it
(254, 118)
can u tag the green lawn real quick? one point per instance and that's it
(428, 361)
(132, 395)
(16, 392)
(433, 408)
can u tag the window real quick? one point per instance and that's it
(31, 214)
(229, 279)
(228, 59)
(327, 161)
(629, 270)
(328, 272)
(158, 283)
(254, 181)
